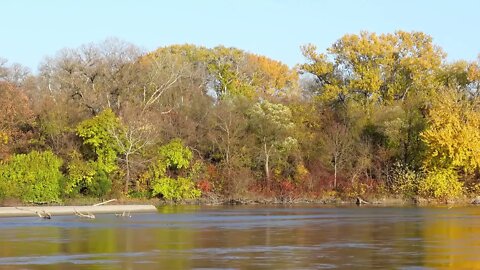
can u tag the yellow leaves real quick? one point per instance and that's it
(3, 137)
(453, 135)
(376, 68)
(473, 72)
(269, 74)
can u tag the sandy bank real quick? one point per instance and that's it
(69, 210)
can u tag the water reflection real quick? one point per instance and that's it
(248, 238)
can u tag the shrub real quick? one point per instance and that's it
(441, 184)
(33, 177)
(174, 189)
(404, 181)
(86, 177)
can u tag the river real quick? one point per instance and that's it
(248, 237)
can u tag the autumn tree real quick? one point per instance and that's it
(16, 120)
(452, 140)
(375, 68)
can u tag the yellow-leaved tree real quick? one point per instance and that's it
(453, 143)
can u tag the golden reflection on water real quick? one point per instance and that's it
(452, 240)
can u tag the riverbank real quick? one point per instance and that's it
(132, 205)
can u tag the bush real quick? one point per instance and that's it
(87, 178)
(441, 184)
(33, 177)
(175, 189)
(404, 181)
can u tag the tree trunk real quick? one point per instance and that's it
(267, 169)
(127, 178)
(335, 172)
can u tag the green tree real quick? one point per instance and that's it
(101, 152)
(171, 175)
(97, 136)
(272, 125)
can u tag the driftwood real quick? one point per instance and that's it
(43, 214)
(105, 202)
(124, 214)
(476, 200)
(361, 201)
(87, 215)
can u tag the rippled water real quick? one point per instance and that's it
(292, 237)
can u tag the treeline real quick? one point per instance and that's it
(381, 114)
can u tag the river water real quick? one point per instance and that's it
(248, 237)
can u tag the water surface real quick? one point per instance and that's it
(248, 237)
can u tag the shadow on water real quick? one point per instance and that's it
(248, 237)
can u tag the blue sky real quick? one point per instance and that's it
(33, 29)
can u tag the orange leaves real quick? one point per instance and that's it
(15, 115)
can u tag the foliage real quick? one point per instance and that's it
(175, 189)
(16, 119)
(97, 135)
(375, 68)
(173, 160)
(85, 177)
(33, 177)
(373, 111)
(453, 134)
(441, 184)
(175, 155)
(272, 125)
(404, 181)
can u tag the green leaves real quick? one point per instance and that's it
(97, 134)
(174, 155)
(33, 177)
(173, 161)
(175, 189)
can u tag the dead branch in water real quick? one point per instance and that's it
(124, 214)
(87, 215)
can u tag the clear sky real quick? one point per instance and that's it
(33, 29)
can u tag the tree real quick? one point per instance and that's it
(234, 72)
(94, 76)
(272, 125)
(453, 133)
(14, 73)
(372, 68)
(101, 148)
(338, 143)
(16, 119)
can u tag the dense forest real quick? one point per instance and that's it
(375, 114)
